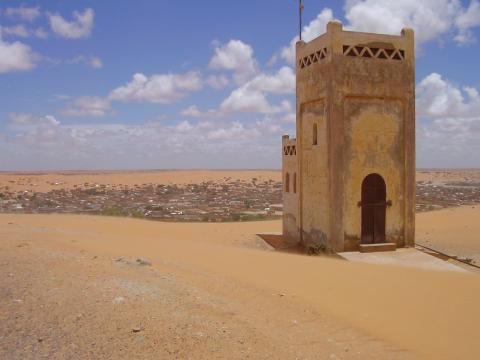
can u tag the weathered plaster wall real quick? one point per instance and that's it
(290, 198)
(373, 144)
(315, 205)
(312, 89)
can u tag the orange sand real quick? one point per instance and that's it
(433, 315)
(455, 231)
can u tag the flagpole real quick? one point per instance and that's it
(300, 24)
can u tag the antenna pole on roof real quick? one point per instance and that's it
(300, 24)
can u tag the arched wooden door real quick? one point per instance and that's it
(374, 207)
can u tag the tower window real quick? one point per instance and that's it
(287, 182)
(294, 183)
(315, 134)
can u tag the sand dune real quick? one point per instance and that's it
(454, 231)
(391, 312)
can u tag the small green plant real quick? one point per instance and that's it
(114, 211)
(316, 249)
(119, 211)
(137, 214)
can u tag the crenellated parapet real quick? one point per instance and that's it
(351, 44)
(289, 146)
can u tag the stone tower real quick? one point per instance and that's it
(349, 177)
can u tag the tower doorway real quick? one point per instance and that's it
(374, 207)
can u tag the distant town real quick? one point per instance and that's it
(228, 200)
(235, 200)
(439, 195)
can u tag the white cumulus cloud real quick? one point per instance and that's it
(80, 27)
(283, 82)
(244, 100)
(159, 88)
(431, 19)
(184, 127)
(217, 81)
(16, 56)
(468, 19)
(27, 119)
(252, 101)
(15, 30)
(21, 31)
(91, 61)
(439, 98)
(235, 56)
(448, 123)
(23, 12)
(88, 106)
(40, 33)
(252, 96)
(188, 144)
(191, 111)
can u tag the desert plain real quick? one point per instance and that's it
(78, 285)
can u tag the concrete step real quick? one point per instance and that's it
(409, 257)
(369, 248)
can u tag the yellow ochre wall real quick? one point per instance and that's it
(314, 182)
(373, 144)
(364, 108)
(290, 198)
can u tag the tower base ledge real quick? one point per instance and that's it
(369, 248)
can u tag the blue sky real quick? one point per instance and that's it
(190, 84)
